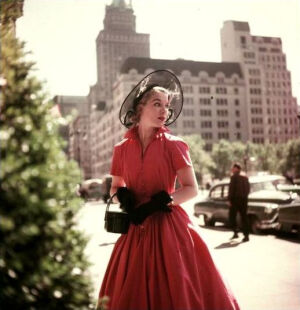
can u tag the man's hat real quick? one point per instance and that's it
(161, 78)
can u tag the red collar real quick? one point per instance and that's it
(132, 133)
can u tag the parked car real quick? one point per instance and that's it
(263, 202)
(90, 189)
(284, 185)
(289, 217)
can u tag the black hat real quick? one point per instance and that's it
(161, 78)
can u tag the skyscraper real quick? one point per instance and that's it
(271, 107)
(116, 42)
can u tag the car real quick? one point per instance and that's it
(90, 189)
(263, 202)
(285, 185)
(289, 217)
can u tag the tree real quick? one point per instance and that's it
(290, 162)
(202, 162)
(222, 155)
(42, 265)
(267, 158)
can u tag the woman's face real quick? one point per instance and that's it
(155, 112)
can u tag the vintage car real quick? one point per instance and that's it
(90, 189)
(284, 185)
(263, 202)
(289, 217)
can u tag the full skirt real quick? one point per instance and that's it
(164, 264)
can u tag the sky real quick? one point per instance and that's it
(61, 34)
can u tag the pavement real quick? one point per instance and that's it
(263, 273)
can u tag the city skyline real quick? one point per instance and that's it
(64, 45)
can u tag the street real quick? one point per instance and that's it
(264, 273)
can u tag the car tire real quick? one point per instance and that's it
(254, 225)
(208, 221)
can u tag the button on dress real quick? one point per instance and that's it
(162, 264)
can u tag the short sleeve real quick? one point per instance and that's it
(116, 168)
(180, 155)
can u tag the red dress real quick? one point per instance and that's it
(162, 264)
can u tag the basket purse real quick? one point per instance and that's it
(115, 221)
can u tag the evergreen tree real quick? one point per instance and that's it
(42, 265)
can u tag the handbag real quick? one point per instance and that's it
(114, 221)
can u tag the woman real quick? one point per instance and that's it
(162, 262)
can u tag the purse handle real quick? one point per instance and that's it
(109, 203)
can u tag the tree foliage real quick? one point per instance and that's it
(202, 162)
(290, 160)
(42, 265)
(222, 155)
(273, 158)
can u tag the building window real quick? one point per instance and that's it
(255, 91)
(221, 90)
(189, 100)
(243, 40)
(188, 112)
(187, 89)
(188, 124)
(221, 101)
(204, 101)
(223, 135)
(237, 124)
(206, 124)
(222, 124)
(204, 90)
(206, 135)
(205, 112)
(222, 112)
(257, 120)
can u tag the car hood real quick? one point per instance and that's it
(270, 196)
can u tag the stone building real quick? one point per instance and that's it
(77, 134)
(271, 107)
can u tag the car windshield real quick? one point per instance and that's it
(268, 185)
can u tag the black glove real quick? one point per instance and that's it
(126, 199)
(158, 202)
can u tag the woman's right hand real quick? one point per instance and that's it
(126, 199)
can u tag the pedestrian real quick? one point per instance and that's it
(239, 189)
(161, 263)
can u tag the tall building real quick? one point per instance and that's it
(77, 134)
(115, 43)
(271, 107)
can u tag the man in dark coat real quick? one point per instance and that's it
(239, 189)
